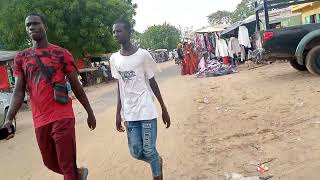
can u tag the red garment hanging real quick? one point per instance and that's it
(4, 81)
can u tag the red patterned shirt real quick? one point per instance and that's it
(59, 62)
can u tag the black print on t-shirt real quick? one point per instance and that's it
(127, 75)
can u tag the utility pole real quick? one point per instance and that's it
(257, 16)
(266, 13)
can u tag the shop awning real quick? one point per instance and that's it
(216, 28)
(87, 70)
(99, 58)
(232, 31)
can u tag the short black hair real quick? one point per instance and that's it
(42, 17)
(126, 23)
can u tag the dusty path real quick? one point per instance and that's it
(104, 151)
(246, 118)
(269, 113)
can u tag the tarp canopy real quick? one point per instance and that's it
(275, 16)
(161, 50)
(216, 28)
(99, 58)
(232, 31)
(7, 55)
(84, 70)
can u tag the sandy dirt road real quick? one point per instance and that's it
(266, 114)
(104, 151)
(222, 124)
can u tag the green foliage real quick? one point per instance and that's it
(220, 17)
(136, 38)
(78, 25)
(163, 36)
(243, 10)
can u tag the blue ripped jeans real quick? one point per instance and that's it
(142, 136)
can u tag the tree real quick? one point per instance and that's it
(163, 36)
(243, 10)
(136, 38)
(77, 25)
(220, 17)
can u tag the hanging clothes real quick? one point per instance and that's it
(202, 65)
(243, 36)
(231, 54)
(4, 82)
(243, 54)
(209, 47)
(217, 53)
(203, 43)
(212, 41)
(234, 47)
(199, 44)
(222, 48)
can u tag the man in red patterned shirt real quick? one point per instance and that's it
(54, 122)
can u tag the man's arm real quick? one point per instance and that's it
(17, 98)
(82, 97)
(118, 100)
(156, 91)
(118, 115)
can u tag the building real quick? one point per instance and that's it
(284, 17)
(310, 12)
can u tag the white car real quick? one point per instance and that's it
(4, 106)
(5, 98)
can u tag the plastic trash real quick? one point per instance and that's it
(236, 176)
(262, 168)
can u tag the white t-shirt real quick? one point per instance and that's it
(133, 73)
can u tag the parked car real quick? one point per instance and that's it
(298, 44)
(160, 55)
(5, 98)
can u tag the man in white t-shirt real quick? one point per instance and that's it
(135, 70)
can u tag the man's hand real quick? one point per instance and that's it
(166, 118)
(91, 121)
(9, 124)
(118, 123)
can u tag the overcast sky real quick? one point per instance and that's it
(178, 12)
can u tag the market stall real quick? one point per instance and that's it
(206, 38)
(94, 69)
(6, 70)
(160, 55)
(232, 31)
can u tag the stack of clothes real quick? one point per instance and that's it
(212, 68)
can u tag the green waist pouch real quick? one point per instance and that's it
(60, 93)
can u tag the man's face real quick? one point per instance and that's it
(35, 28)
(120, 33)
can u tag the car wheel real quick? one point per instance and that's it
(297, 66)
(313, 61)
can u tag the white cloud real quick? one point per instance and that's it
(179, 12)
